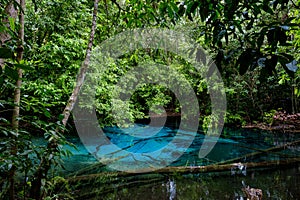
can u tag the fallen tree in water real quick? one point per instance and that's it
(110, 181)
(192, 169)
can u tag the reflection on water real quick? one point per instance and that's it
(276, 184)
(283, 183)
(171, 189)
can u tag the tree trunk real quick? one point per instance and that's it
(45, 164)
(82, 71)
(17, 93)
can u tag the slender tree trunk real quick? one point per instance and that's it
(82, 71)
(20, 50)
(45, 164)
(17, 95)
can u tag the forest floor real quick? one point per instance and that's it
(282, 122)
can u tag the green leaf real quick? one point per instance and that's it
(11, 73)
(191, 8)
(267, 9)
(170, 12)
(60, 117)
(286, 57)
(22, 66)
(297, 92)
(238, 25)
(174, 7)
(12, 23)
(288, 20)
(274, 3)
(2, 28)
(288, 63)
(5, 53)
(256, 10)
(46, 113)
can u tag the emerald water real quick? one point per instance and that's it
(275, 182)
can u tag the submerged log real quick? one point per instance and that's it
(224, 167)
(112, 180)
(192, 169)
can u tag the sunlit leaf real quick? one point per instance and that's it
(12, 23)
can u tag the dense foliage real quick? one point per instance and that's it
(255, 45)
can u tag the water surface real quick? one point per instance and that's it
(276, 183)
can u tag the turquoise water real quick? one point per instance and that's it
(276, 183)
(231, 144)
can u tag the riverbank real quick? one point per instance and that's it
(282, 122)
